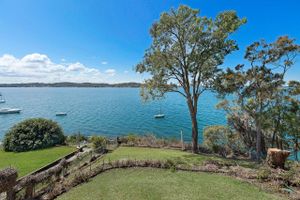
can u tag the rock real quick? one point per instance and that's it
(277, 157)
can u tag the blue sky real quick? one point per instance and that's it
(101, 41)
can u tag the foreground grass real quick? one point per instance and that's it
(136, 184)
(177, 156)
(26, 162)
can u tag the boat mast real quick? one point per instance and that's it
(160, 108)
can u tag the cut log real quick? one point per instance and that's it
(277, 157)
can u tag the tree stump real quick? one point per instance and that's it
(277, 157)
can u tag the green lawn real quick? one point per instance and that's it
(27, 162)
(139, 153)
(139, 184)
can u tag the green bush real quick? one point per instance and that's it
(130, 139)
(76, 138)
(98, 141)
(221, 140)
(263, 173)
(33, 134)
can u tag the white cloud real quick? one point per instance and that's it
(104, 62)
(39, 68)
(76, 67)
(125, 72)
(110, 72)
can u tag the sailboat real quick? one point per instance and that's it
(160, 115)
(2, 100)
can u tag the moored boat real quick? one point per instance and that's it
(61, 114)
(9, 110)
(159, 116)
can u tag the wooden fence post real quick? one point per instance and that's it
(29, 191)
(11, 194)
(8, 179)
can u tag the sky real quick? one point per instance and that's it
(102, 40)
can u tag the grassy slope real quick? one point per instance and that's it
(27, 162)
(164, 154)
(136, 184)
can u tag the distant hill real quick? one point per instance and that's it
(71, 84)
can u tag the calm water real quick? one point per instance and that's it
(108, 111)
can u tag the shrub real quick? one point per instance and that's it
(132, 139)
(263, 173)
(221, 140)
(33, 134)
(292, 175)
(76, 138)
(98, 141)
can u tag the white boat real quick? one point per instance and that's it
(159, 116)
(9, 110)
(2, 100)
(61, 114)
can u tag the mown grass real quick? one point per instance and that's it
(26, 162)
(137, 184)
(177, 156)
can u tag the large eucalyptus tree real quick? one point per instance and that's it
(184, 56)
(259, 91)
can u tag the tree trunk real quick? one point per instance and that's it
(273, 139)
(258, 142)
(194, 133)
(10, 195)
(263, 145)
(193, 114)
(296, 149)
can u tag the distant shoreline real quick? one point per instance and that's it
(71, 84)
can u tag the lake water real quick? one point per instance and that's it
(108, 111)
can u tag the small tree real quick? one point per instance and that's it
(33, 134)
(292, 118)
(185, 54)
(221, 140)
(98, 142)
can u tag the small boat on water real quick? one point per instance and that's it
(61, 114)
(9, 110)
(2, 100)
(159, 116)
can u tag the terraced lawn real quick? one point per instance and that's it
(139, 153)
(157, 184)
(26, 162)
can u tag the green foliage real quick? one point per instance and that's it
(132, 139)
(221, 140)
(257, 90)
(32, 134)
(98, 141)
(76, 138)
(263, 173)
(149, 140)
